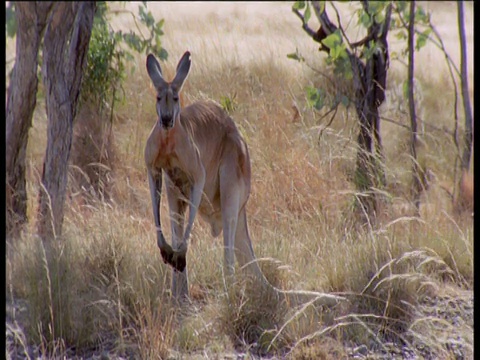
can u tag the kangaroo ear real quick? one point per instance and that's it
(154, 71)
(183, 68)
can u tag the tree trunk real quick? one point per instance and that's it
(21, 99)
(464, 200)
(416, 185)
(370, 83)
(65, 48)
(368, 171)
(467, 146)
(364, 168)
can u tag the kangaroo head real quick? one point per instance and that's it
(168, 101)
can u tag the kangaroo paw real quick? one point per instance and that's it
(179, 260)
(167, 254)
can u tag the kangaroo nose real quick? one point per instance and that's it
(167, 121)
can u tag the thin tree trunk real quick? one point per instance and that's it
(21, 100)
(364, 97)
(381, 65)
(65, 47)
(467, 146)
(369, 83)
(368, 171)
(416, 186)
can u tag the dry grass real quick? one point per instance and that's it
(106, 289)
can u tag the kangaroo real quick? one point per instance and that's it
(206, 167)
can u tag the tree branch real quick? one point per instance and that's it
(305, 26)
(335, 109)
(322, 16)
(340, 25)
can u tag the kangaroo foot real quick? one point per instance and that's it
(167, 254)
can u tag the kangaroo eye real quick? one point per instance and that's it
(159, 98)
(175, 98)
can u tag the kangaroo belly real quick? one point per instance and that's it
(180, 180)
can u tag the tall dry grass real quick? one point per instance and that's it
(105, 289)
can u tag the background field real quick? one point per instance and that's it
(409, 281)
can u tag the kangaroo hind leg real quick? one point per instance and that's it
(244, 249)
(229, 202)
(231, 198)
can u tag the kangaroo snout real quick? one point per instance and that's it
(166, 122)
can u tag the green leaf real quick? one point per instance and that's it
(333, 53)
(100, 11)
(369, 50)
(118, 35)
(134, 41)
(298, 5)
(402, 5)
(421, 41)
(343, 67)
(307, 14)
(365, 19)
(332, 40)
(163, 54)
(146, 17)
(376, 7)
(321, 5)
(401, 35)
(342, 51)
(315, 97)
(293, 56)
(427, 32)
(160, 23)
(379, 17)
(421, 16)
